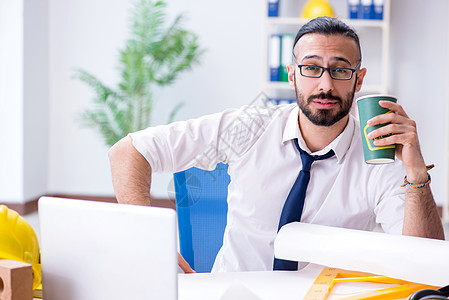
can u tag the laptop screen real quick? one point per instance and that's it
(96, 250)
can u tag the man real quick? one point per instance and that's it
(261, 147)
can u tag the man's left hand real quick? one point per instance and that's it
(401, 131)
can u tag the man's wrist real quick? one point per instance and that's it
(418, 185)
(417, 176)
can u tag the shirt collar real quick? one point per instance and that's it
(340, 145)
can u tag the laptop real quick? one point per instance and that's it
(97, 250)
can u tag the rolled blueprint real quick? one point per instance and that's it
(408, 258)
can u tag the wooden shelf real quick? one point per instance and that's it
(301, 21)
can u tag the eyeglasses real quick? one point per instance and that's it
(313, 71)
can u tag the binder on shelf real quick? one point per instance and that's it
(274, 56)
(286, 55)
(378, 9)
(354, 9)
(367, 9)
(273, 8)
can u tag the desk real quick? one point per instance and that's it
(269, 285)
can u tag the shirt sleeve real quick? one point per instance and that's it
(203, 142)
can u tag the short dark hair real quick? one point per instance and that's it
(328, 26)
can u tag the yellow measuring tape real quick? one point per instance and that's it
(328, 277)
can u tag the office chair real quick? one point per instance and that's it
(202, 208)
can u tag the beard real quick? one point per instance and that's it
(325, 117)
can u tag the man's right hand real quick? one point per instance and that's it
(184, 265)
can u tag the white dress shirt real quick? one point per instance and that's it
(257, 144)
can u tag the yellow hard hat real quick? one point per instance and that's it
(18, 241)
(317, 8)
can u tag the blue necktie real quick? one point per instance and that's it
(295, 201)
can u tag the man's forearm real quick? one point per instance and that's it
(421, 216)
(131, 173)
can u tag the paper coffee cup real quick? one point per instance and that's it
(368, 107)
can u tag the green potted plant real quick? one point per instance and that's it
(153, 57)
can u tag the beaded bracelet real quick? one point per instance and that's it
(417, 186)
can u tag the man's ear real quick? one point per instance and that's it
(360, 76)
(291, 76)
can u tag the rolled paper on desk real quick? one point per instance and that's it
(408, 258)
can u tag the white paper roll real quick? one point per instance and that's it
(408, 258)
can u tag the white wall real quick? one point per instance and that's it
(11, 101)
(35, 99)
(23, 100)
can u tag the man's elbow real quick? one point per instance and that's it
(119, 149)
(123, 155)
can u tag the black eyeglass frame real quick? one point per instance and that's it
(327, 69)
